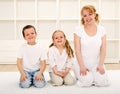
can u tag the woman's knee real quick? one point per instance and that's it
(101, 80)
(86, 80)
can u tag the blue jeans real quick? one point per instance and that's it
(31, 80)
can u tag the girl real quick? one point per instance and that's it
(60, 58)
(90, 49)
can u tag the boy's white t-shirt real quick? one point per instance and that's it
(90, 45)
(31, 56)
(61, 61)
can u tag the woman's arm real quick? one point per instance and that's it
(102, 55)
(77, 46)
(103, 50)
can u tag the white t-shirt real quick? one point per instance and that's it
(60, 60)
(31, 56)
(90, 45)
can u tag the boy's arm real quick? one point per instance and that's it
(19, 66)
(42, 66)
(42, 69)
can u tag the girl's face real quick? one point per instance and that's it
(88, 17)
(30, 35)
(59, 39)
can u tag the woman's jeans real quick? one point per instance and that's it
(31, 80)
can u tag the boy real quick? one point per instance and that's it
(31, 60)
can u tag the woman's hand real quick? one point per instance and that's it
(83, 70)
(100, 69)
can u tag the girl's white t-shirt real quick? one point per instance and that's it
(90, 45)
(31, 56)
(61, 61)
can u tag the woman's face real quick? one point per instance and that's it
(88, 16)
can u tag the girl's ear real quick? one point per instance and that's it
(66, 40)
(53, 42)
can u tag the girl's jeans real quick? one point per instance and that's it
(31, 80)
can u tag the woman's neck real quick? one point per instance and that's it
(91, 30)
(88, 26)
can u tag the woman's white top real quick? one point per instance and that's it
(61, 61)
(90, 45)
(31, 56)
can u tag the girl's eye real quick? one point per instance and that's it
(61, 37)
(56, 38)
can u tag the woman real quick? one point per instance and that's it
(90, 49)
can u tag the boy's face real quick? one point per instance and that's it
(30, 35)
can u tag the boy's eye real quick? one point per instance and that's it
(27, 34)
(32, 33)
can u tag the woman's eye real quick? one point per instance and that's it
(90, 14)
(84, 15)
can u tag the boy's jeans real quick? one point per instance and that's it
(31, 80)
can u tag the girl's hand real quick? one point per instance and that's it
(61, 74)
(100, 69)
(64, 73)
(23, 77)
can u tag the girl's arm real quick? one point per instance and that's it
(67, 70)
(57, 72)
(69, 65)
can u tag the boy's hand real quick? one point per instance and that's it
(23, 77)
(39, 77)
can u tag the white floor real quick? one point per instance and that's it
(9, 85)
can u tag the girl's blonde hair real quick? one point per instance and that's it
(69, 50)
(92, 10)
